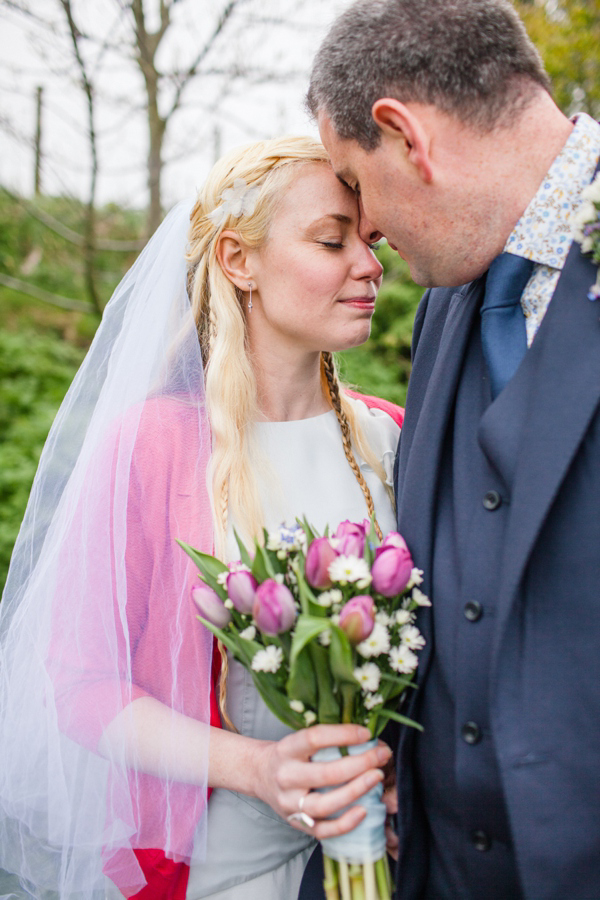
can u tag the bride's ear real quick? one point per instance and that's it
(232, 255)
(402, 124)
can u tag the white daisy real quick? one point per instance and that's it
(248, 633)
(416, 577)
(411, 637)
(346, 569)
(383, 618)
(420, 598)
(402, 659)
(297, 706)
(373, 700)
(325, 638)
(268, 660)
(368, 676)
(403, 617)
(329, 598)
(377, 643)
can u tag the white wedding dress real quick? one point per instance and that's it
(252, 854)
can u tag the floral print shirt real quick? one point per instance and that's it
(544, 232)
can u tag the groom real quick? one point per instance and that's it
(438, 113)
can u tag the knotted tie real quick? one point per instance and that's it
(503, 334)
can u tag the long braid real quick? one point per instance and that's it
(334, 395)
(222, 649)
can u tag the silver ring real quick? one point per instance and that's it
(301, 816)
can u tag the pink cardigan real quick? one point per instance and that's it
(168, 498)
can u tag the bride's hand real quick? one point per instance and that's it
(285, 775)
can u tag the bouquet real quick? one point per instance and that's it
(325, 625)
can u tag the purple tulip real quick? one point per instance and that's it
(274, 609)
(241, 588)
(392, 569)
(319, 557)
(357, 618)
(352, 537)
(210, 605)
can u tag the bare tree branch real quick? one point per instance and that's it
(32, 290)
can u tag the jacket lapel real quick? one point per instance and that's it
(432, 390)
(561, 377)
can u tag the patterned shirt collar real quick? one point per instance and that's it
(544, 232)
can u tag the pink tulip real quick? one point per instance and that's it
(319, 557)
(392, 569)
(393, 539)
(241, 588)
(352, 537)
(357, 618)
(274, 609)
(210, 605)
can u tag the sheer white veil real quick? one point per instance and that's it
(97, 612)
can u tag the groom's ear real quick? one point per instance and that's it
(400, 123)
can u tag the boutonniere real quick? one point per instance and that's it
(587, 229)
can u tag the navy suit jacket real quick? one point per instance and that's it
(544, 696)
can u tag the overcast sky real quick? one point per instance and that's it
(217, 113)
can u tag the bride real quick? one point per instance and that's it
(209, 401)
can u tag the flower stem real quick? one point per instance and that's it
(369, 879)
(345, 880)
(382, 874)
(330, 884)
(356, 880)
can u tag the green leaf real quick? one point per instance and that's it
(308, 601)
(398, 679)
(209, 566)
(341, 658)
(328, 705)
(261, 565)
(244, 555)
(397, 717)
(309, 531)
(277, 701)
(307, 629)
(302, 683)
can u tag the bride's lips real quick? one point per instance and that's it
(360, 302)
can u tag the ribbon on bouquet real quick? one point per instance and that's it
(365, 843)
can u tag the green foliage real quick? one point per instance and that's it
(35, 373)
(567, 35)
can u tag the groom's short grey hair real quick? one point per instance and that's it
(470, 58)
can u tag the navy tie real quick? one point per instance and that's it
(503, 334)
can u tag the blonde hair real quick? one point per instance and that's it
(218, 310)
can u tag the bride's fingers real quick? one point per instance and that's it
(311, 775)
(320, 806)
(326, 828)
(307, 741)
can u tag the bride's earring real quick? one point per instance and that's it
(250, 300)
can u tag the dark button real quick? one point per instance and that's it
(492, 500)
(473, 611)
(481, 841)
(471, 733)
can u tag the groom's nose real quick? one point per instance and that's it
(366, 229)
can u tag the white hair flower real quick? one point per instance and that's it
(236, 201)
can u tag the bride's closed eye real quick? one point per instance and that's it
(332, 245)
